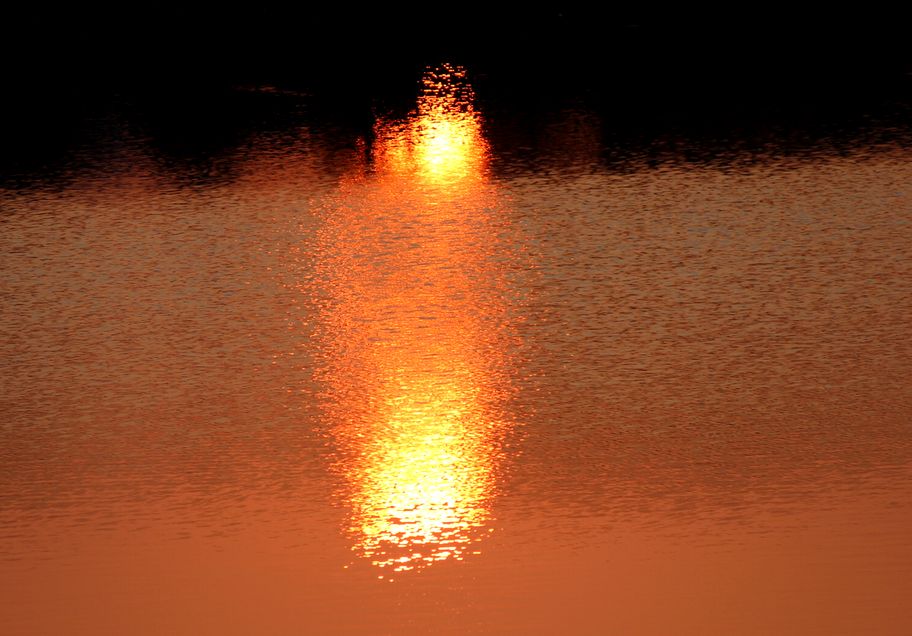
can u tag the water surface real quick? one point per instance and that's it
(456, 370)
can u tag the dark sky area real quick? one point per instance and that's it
(158, 42)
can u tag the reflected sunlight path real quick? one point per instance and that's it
(414, 330)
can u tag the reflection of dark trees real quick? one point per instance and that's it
(198, 135)
(653, 85)
(578, 130)
(37, 136)
(194, 136)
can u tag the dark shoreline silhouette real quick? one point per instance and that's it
(175, 73)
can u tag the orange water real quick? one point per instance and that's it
(424, 383)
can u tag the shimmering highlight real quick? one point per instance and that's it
(413, 333)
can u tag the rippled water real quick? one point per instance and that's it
(457, 371)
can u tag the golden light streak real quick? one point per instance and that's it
(443, 143)
(413, 332)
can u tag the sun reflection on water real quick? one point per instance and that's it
(442, 144)
(414, 332)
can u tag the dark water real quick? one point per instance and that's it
(467, 366)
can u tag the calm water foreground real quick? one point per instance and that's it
(457, 374)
